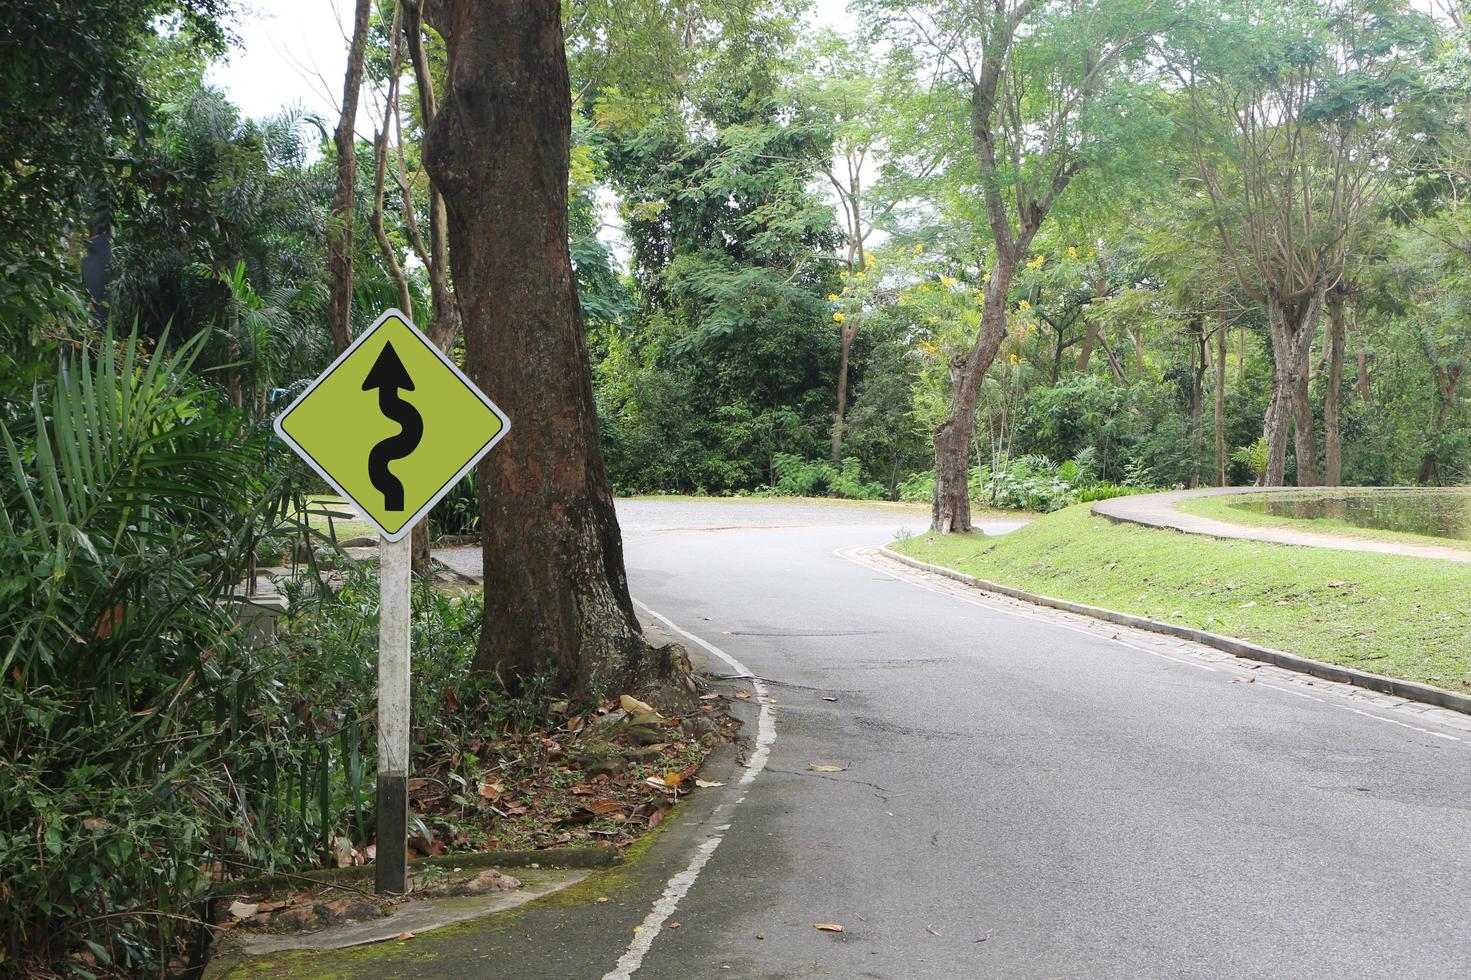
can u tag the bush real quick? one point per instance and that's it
(126, 517)
(1253, 457)
(458, 513)
(148, 750)
(798, 477)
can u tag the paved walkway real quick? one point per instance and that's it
(1160, 510)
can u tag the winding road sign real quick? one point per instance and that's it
(392, 424)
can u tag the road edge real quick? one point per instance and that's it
(1409, 690)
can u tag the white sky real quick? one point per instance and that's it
(292, 52)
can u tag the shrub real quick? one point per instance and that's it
(126, 516)
(798, 477)
(1253, 457)
(148, 750)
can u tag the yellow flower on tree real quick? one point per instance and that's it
(857, 275)
(1037, 262)
(986, 277)
(838, 317)
(947, 281)
(1072, 251)
(832, 297)
(868, 261)
(1024, 306)
(843, 274)
(918, 248)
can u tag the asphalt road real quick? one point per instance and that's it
(1019, 796)
(1025, 800)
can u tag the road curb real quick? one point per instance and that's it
(1409, 690)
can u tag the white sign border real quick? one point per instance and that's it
(449, 485)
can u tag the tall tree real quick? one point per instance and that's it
(1291, 106)
(1040, 86)
(498, 151)
(339, 230)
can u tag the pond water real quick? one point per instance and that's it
(1437, 513)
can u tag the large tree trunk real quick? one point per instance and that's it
(557, 598)
(1332, 440)
(1305, 443)
(339, 228)
(1220, 404)
(1291, 324)
(951, 508)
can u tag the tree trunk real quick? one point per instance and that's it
(339, 228)
(557, 601)
(1305, 443)
(1291, 325)
(1200, 356)
(1220, 405)
(1085, 352)
(1332, 440)
(1101, 290)
(951, 508)
(845, 347)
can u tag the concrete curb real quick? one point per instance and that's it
(588, 858)
(1409, 690)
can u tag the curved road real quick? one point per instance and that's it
(1020, 794)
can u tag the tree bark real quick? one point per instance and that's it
(557, 601)
(1332, 396)
(1220, 401)
(1291, 324)
(845, 348)
(952, 438)
(339, 228)
(1200, 358)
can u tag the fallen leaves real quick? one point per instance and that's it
(708, 783)
(823, 767)
(827, 927)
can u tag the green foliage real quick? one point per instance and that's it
(797, 477)
(128, 504)
(160, 748)
(1253, 457)
(458, 512)
(74, 82)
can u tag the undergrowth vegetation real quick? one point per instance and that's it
(166, 746)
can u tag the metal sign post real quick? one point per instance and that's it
(392, 425)
(395, 579)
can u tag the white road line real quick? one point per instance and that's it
(680, 884)
(855, 555)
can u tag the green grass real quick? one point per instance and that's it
(1220, 509)
(323, 510)
(1405, 617)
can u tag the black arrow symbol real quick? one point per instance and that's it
(388, 375)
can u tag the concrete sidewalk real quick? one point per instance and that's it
(1160, 510)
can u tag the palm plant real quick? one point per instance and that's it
(127, 510)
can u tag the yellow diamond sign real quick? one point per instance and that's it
(392, 424)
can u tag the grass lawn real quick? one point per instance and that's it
(1220, 509)
(1405, 617)
(323, 510)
